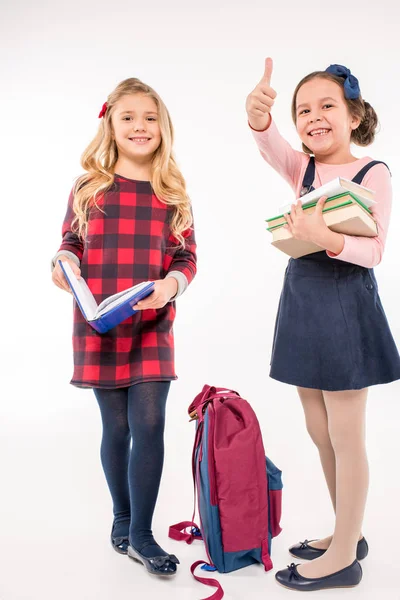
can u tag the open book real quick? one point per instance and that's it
(113, 310)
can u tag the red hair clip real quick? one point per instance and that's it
(103, 110)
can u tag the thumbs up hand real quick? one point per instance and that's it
(261, 100)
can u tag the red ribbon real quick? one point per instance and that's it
(103, 110)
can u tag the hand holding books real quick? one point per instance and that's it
(310, 228)
(163, 291)
(344, 207)
(113, 310)
(59, 277)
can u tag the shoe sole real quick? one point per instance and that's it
(137, 559)
(334, 587)
(118, 549)
(304, 558)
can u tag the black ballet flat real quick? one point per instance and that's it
(159, 565)
(348, 577)
(304, 551)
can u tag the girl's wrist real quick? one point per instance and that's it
(330, 240)
(261, 124)
(172, 286)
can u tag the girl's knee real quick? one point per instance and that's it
(319, 435)
(149, 427)
(346, 439)
(118, 430)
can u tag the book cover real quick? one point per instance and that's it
(113, 310)
(333, 203)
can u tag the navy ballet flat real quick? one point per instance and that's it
(348, 577)
(304, 551)
(119, 543)
(159, 565)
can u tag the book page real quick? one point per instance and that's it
(82, 293)
(334, 188)
(117, 299)
(358, 190)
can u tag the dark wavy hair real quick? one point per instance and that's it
(359, 108)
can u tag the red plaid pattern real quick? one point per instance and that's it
(128, 243)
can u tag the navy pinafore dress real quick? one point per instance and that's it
(331, 332)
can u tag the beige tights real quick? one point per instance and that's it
(336, 424)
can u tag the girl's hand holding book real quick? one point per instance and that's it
(307, 227)
(164, 290)
(261, 100)
(58, 276)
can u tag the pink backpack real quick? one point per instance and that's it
(239, 489)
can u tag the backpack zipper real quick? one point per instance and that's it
(211, 458)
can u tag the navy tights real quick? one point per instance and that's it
(132, 455)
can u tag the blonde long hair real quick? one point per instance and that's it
(100, 157)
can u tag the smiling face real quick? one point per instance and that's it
(323, 120)
(136, 128)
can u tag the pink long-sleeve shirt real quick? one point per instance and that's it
(291, 164)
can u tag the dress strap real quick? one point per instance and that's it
(308, 179)
(361, 174)
(309, 175)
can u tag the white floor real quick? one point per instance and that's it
(56, 511)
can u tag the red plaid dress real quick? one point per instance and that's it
(128, 243)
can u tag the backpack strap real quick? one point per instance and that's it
(308, 179)
(178, 532)
(219, 594)
(361, 174)
(207, 394)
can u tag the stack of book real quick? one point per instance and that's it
(347, 210)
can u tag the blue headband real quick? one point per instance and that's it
(351, 86)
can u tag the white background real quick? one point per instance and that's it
(59, 62)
